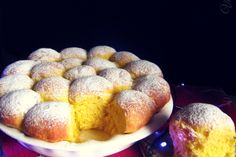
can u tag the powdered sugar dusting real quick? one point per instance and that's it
(53, 88)
(132, 100)
(89, 85)
(19, 67)
(142, 67)
(123, 57)
(100, 64)
(101, 51)
(83, 70)
(202, 114)
(18, 102)
(47, 69)
(51, 112)
(71, 62)
(74, 52)
(119, 77)
(45, 54)
(14, 82)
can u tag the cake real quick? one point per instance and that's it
(58, 96)
(202, 130)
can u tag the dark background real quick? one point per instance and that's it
(192, 42)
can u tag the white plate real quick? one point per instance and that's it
(92, 147)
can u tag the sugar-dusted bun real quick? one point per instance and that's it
(15, 82)
(123, 57)
(71, 62)
(19, 67)
(104, 52)
(74, 52)
(90, 95)
(155, 87)
(45, 54)
(80, 71)
(141, 68)
(129, 111)
(201, 129)
(50, 121)
(53, 89)
(100, 64)
(47, 69)
(120, 78)
(15, 104)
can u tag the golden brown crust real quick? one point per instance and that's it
(156, 88)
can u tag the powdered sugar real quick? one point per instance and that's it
(19, 67)
(53, 88)
(119, 77)
(123, 57)
(74, 52)
(17, 103)
(202, 114)
(47, 69)
(132, 101)
(71, 62)
(101, 51)
(142, 67)
(89, 85)
(83, 70)
(50, 112)
(15, 82)
(100, 64)
(45, 54)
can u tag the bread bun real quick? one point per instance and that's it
(123, 57)
(15, 82)
(14, 105)
(53, 89)
(50, 121)
(19, 67)
(141, 68)
(103, 51)
(201, 129)
(74, 52)
(47, 69)
(120, 78)
(80, 71)
(45, 54)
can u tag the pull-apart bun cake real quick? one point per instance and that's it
(55, 96)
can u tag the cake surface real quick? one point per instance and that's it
(53, 96)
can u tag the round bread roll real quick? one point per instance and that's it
(15, 104)
(74, 52)
(80, 71)
(201, 129)
(129, 111)
(141, 68)
(45, 54)
(100, 64)
(53, 89)
(104, 52)
(50, 121)
(19, 67)
(120, 78)
(155, 87)
(47, 69)
(90, 95)
(71, 63)
(123, 57)
(15, 82)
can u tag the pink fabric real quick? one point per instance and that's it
(182, 94)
